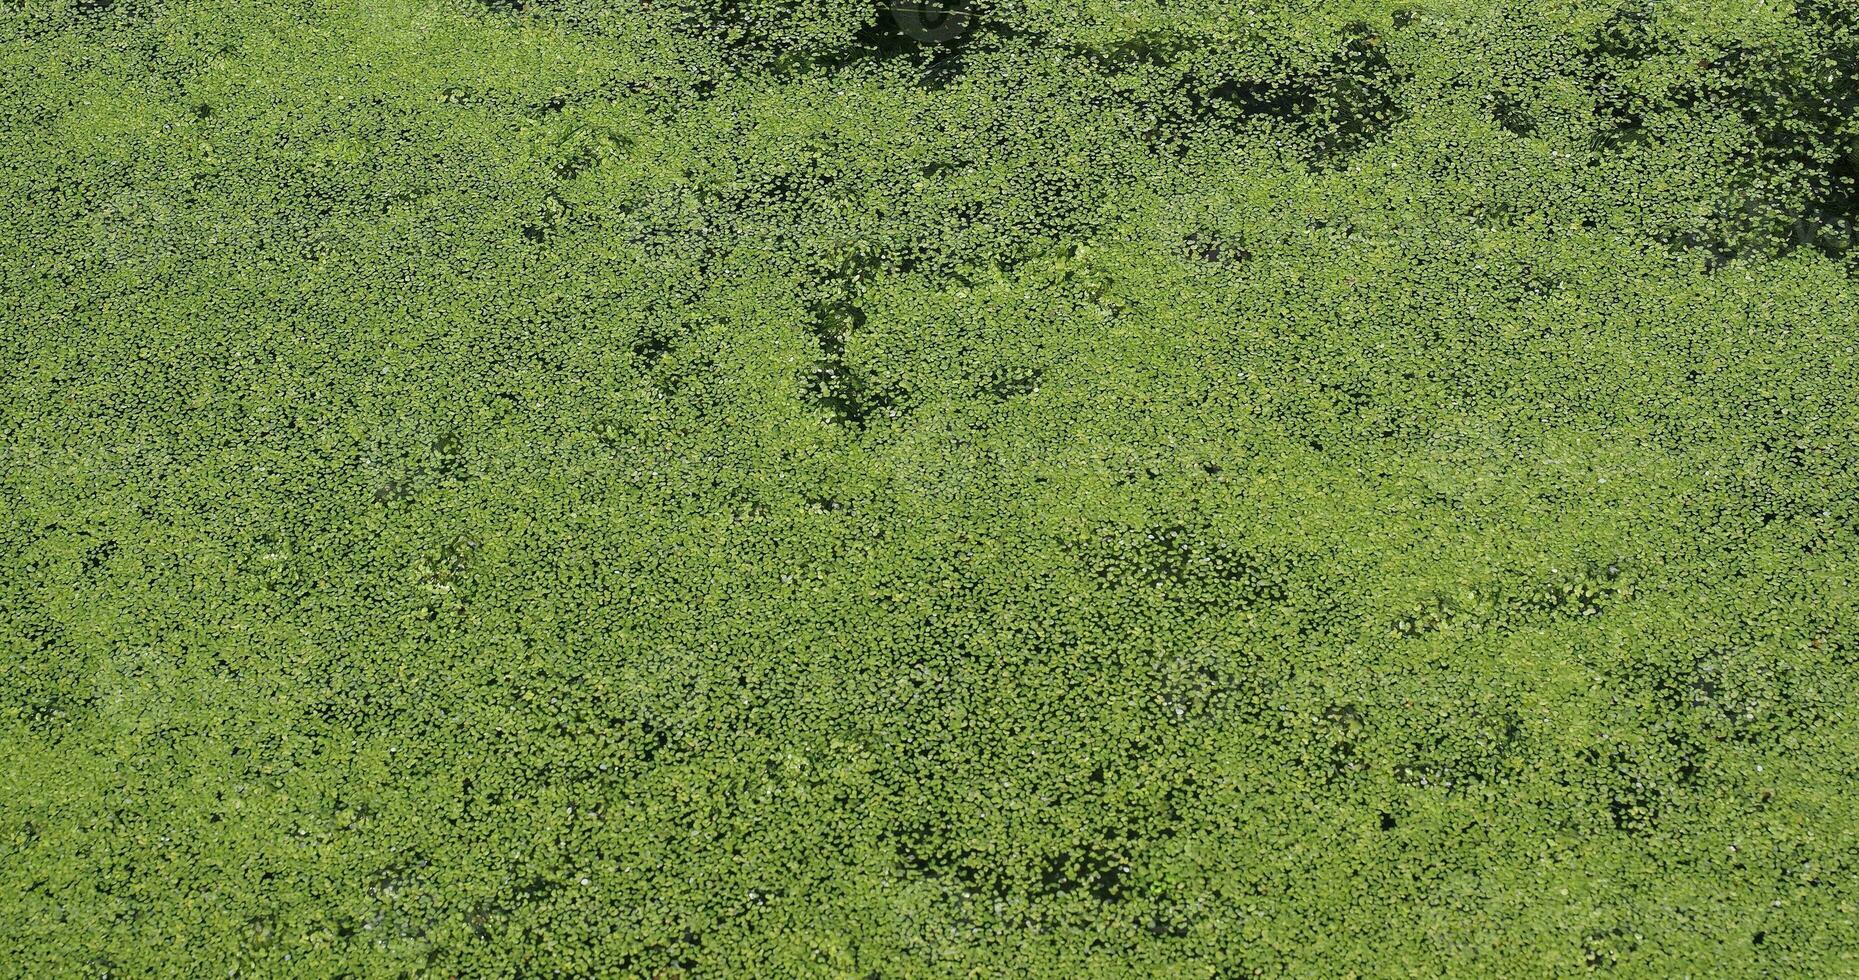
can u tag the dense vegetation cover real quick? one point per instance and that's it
(728, 487)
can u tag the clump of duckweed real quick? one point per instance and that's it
(757, 487)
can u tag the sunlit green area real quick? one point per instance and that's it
(728, 488)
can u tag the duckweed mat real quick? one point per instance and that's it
(1060, 488)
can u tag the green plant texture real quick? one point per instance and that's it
(713, 488)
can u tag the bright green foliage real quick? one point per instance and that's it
(717, 487)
